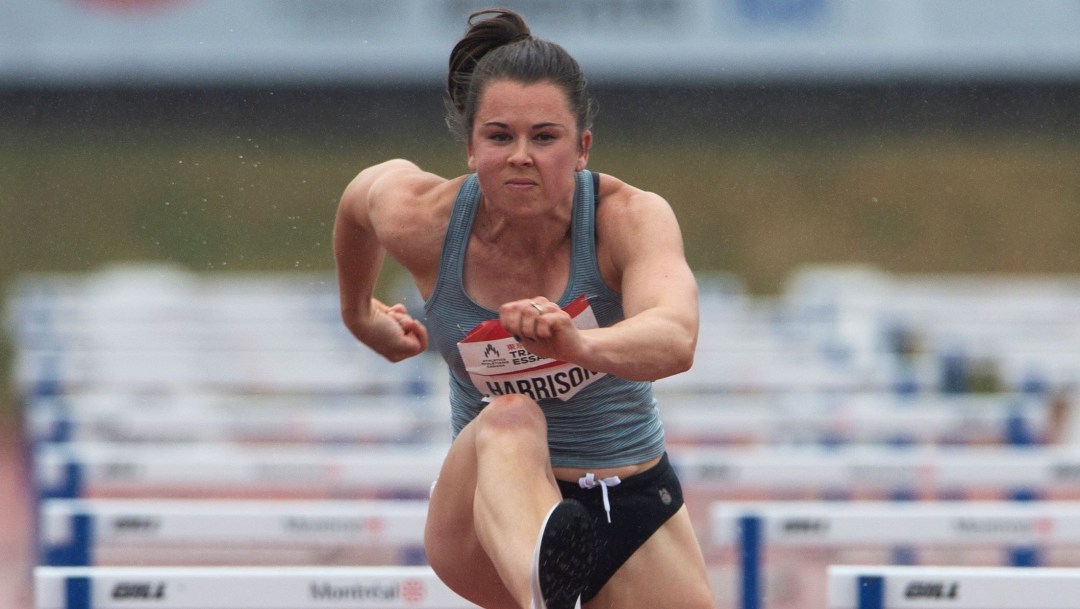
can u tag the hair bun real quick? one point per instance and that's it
(488, 29)
(498, 44)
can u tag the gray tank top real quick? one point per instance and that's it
(610, 422)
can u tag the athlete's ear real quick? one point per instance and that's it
(583, 151)
(469, 152)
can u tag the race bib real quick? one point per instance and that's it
(498, 364)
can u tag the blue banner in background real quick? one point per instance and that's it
(783, 11)
(345, 42)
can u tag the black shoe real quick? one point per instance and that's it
(564, 556)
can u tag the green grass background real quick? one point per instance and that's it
(213, 196)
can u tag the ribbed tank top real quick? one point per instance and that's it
(610, 423)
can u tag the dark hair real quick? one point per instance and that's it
(499, 45)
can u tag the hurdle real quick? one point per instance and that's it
(247, 368)
(887, 587)
(234, 471)
(226, 470)
(242, 588)
(791, 418)
(805, 417)
(1026, 325)
(88, 469)
(119, 532)
(879, 472)
(231, 417)
(257, 333)
(764, 544)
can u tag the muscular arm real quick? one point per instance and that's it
(359, 250)
(641, 245)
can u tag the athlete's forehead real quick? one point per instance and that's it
(508, 102)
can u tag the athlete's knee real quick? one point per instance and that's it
(512, 420)
(511, 413)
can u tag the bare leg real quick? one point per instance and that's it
(493, 492)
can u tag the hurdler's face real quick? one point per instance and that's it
(525, 145)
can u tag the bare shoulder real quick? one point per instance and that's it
(390, 182)
(403, 178)
(398, 195)
(623, 205)
(405, 209)
(628, 217)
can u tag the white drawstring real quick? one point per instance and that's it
(590, 481)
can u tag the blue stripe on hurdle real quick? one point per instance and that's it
(77, 593)
(1024, 494)
(71, 487)
(62, 430)
(871, 592)
(77, 552)
(750, 544)
(1024, 556)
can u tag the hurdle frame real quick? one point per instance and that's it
(242, 588)
(907, 587)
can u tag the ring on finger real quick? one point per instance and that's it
(538, 308)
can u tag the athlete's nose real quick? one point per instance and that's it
(520, 154)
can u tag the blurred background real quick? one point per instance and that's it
(870, 191)
(917, 136)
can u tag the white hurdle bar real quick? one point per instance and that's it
(74, 470)
(209, 417)
(117, 532)
(788, 418)
(1018, 531)
(807, 472)
(151, 328)
(806, 417)
(884, 587)
(45, 371)
(242, 588)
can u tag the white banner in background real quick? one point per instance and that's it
(408, 41)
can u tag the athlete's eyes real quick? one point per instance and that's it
(543, 137)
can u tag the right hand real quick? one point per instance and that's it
(391, 332)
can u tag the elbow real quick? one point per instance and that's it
(675, 361)
(682, 357)
(684, 361)
(686, 364)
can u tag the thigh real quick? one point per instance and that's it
(450, 539)
(671, 556)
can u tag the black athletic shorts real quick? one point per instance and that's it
(640, 505)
